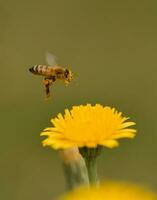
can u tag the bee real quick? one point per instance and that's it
(52, 73)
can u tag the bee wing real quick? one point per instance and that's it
(51, 59)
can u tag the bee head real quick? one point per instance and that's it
(68, 75)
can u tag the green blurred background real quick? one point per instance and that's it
(111, 46)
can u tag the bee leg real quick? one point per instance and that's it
(47, 82)
(47, 91)
(66, 82)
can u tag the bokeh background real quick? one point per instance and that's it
(111, 46)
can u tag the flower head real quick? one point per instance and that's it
(111, 191)
(88, 126)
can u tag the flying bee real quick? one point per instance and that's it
(52, 73)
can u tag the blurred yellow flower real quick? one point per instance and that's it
(88, 126)
(111, 191)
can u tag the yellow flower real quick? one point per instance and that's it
(111, 191)
(88, 126)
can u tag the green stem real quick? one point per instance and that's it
(75, 170)
(91, 164)
(68, 177)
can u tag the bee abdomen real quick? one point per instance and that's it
(37, 69)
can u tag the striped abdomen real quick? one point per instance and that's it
(42, 70)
